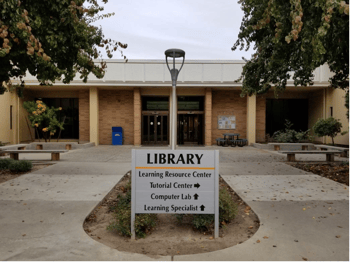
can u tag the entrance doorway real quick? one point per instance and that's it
(155, 129)
(190, 130)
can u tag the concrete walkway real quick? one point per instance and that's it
(302, 214)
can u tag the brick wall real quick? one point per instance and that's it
(84, 116)
(260, 118)
(229, 103)
(116, 108)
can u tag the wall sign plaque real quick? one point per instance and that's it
(227, 122)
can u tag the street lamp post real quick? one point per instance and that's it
(174, 53)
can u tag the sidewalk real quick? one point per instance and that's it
(53, 203)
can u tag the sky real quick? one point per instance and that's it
(204, 29)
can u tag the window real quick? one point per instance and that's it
(331, 111)
(11, 117)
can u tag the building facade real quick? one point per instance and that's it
(137, 96)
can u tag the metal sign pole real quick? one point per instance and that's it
(174, 118)
(216, 190)
(133, 194)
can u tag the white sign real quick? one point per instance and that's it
(175, 181)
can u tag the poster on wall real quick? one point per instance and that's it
(226, 122)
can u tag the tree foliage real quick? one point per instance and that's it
(327, 127)
(293, 36)
(43, 118)
(53, 40)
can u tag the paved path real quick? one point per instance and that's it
(301, 214)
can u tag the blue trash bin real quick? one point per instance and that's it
(117, 135)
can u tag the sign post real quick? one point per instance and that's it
(175, 182)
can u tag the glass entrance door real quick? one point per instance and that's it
(190, 129)
(155, 130)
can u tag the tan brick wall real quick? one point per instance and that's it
(84, 116)
(116, 108)
(208, 117)
(229, 103)
(260, 118)
(137, 117)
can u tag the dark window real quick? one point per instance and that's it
(155, 103)
(331, 111)
(69, 113)
(11, 117)
(190, 103)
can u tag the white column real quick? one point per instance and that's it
(94, 112)
(251, 119)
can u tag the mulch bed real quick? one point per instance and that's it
(170, 237)
(6, 175)
(337, 171)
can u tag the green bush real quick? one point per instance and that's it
(289, 135)
(5, 163)
(122, 223)
(227, 212)
(327, 127)
(21, 166)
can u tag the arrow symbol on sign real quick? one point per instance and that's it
(195, 197)
(197, 185)
(202, 207)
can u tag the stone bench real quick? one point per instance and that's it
(304, 146)
(291, 154)
(41, 146)
(343, 150)
(55, 154)
(11, 147)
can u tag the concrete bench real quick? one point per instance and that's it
(11, 147)
(304, 146)
(41, 146)
(291, 154)
(343, 150)
(55, 154)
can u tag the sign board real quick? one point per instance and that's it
(175, 182)
(226, 122)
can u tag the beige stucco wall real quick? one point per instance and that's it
(336, 98)
(8, 135)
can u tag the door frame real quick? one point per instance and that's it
(154, 114)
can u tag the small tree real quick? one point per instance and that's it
(327, 127)
(43, 119)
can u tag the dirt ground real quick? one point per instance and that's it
(336, 171)
(169, 237)
(6, 175)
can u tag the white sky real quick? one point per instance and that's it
(204, 29)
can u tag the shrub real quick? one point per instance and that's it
(5, 163)
(122, 223)
(327, 127)
(21, 166)
(289, 135)
(227, 212)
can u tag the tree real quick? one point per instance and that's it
(43, 118)
(293, 36)
(51, 39)
(327, 127)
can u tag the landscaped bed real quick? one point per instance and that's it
(169, 237)
(336, 171)
(6, 175)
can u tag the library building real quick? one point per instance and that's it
(137, 96)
